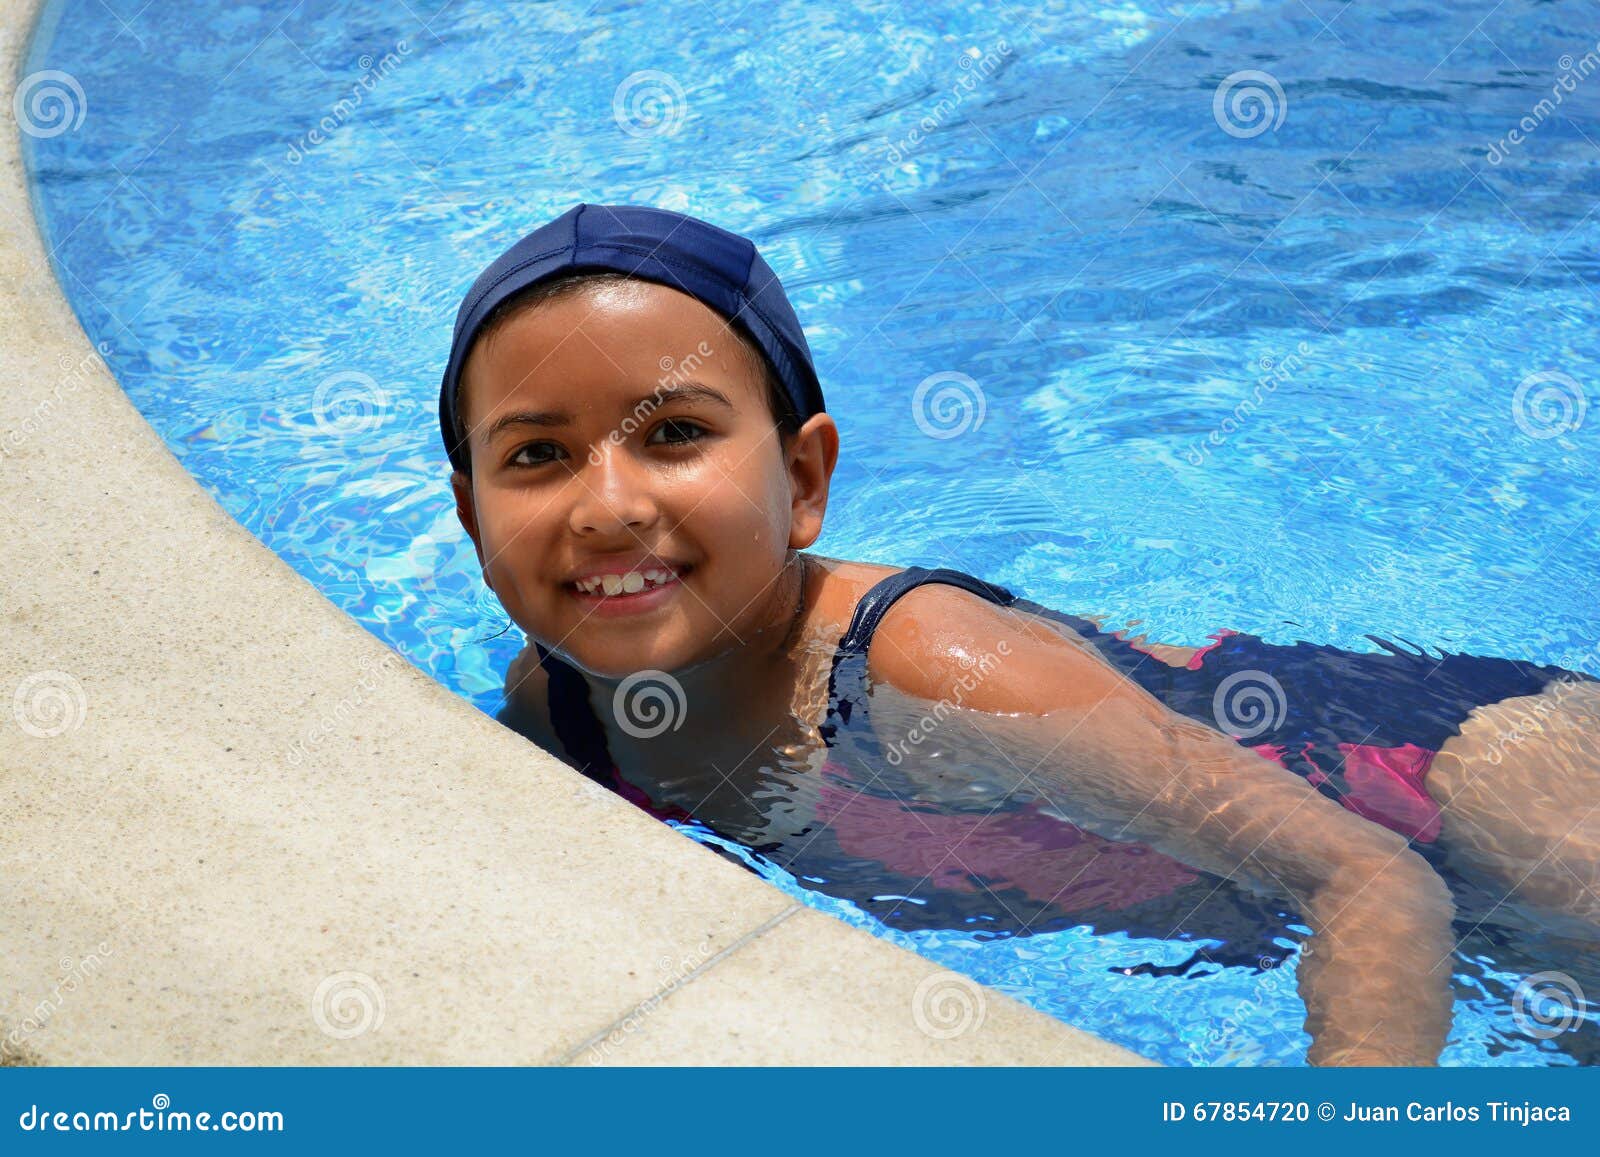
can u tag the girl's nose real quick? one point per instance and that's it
(614, 493)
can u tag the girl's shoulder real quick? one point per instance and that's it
(843, 584)
(836, 587)
(937, 640)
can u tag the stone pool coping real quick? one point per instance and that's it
(261, 837)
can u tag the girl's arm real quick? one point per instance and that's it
(1102, 750)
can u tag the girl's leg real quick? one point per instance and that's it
(1519, 792)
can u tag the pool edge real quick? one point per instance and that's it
(236, 868)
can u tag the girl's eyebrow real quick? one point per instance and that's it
(683, 392)
(526, 418)
(554, 419)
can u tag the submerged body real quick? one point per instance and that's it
(649, 528)
(918, 794)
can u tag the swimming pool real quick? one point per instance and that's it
(1318, 377)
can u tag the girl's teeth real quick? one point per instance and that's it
(625, 584)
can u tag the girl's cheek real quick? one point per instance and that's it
(741, 491)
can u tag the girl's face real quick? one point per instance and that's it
(630, 500)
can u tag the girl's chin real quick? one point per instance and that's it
(616, 664)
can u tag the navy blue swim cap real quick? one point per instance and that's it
(720, 269)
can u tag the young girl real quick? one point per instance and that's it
(641, 456)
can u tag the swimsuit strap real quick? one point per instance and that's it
(877, 601)
(575, 722)
(850, 659)
(583, 737)
(581, 734)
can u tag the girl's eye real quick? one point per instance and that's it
(676, 432)
(536, 454)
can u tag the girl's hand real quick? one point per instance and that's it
(1103, 751)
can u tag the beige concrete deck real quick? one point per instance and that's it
(181, 884)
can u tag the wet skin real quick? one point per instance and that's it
(702, 487)
(587, 457)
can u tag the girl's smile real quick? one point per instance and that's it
(628, 588)
(629, 517)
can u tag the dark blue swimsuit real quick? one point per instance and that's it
(1361, 727)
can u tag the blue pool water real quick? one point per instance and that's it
(267, 214)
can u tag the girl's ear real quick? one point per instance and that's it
(466, 511)
(811, 455)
